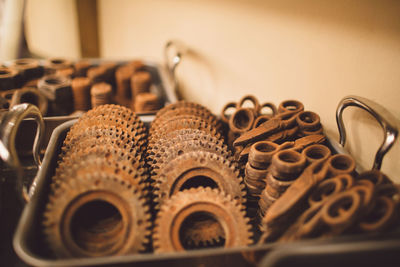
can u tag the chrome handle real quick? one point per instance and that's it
(10, 122)
(173, 62)
(387, 121)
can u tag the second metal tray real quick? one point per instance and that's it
(27, 237)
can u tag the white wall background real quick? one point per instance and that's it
(314, 51)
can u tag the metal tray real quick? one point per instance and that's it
(164, 84)
(28, 247)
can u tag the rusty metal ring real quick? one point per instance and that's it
(254, 173)
(287, 164)
(242, 120)
(290, 106)
(311, 132)
(341, 164)
(181, 211)
(347, 181)
(273, 192)
(316, 152)
(342, 209)
(261, 153)
(324, 191)
(279, 185)
(366, 190)
(269, 105)
(198, 168)
(310, 223)
(31, 96)
(65, 218)
(256, 105)
(308, 120)
(381, 215)
(224, 115)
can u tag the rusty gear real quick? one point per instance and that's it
(184, 124)
(73, 227)
(181, 135)
(177, 214)
(117, 111)
(185, 111)
(110, 134)
(180, 144)
(113, 157)
(181, 104)
(193, 169)
(163, 126)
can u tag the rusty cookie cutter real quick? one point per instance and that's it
(10, 122)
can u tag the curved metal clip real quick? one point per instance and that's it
(173, 62)
(387, 121)
(10, 122)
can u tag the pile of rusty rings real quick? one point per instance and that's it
(341, 202)
(286, 127)
(98, 204)
(294, 122)
(239, 119)
(196, 184)
(286, 164)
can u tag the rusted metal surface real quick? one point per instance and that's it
(187, 157)
(81, 93)
(57, 90)
(100, 94)
(9, 79)
(98, 196)
(177, 218)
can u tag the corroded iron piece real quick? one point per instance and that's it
(170, 226)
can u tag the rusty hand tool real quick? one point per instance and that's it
(297, 145)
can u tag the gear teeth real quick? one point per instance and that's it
(224, 176)
(95, 184)
(170, 211)
(102, 159)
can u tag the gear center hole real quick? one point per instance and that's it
(198, 181)
(201, 230)
(96, 221)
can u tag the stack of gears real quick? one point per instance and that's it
(98, 203)
(198, 191)
(60, 86)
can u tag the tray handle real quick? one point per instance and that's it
(387, 121)
(9, 126)
(173, 52)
